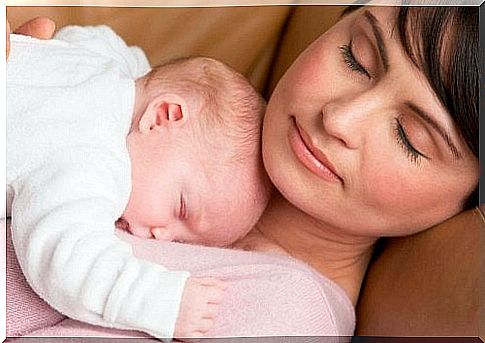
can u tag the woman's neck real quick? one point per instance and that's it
(340, 256)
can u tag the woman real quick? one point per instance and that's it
(385, 150)
(373, 131)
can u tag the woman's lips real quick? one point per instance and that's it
(311, 157)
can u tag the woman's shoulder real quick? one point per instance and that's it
(268, 294)
(282, 297)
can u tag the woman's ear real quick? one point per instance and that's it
(165, 110)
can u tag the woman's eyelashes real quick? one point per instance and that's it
(353, 64)
(351, 61)
(413, 154)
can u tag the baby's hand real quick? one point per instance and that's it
(199, 305)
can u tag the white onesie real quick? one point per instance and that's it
(69, 108)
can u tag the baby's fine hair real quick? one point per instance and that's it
(229, 105)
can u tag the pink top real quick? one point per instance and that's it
(268, 295)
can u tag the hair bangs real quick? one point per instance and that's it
(443, 43)
(445, 48)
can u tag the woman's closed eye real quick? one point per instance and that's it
(353, 64)
(351, 61)
(412, 153)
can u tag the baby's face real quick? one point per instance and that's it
(176, 196)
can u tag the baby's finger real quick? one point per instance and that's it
(208, 281)
(210, 311)
(213, 295)
(205, 325)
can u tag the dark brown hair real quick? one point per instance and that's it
(443, 43)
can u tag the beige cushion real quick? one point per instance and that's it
(243, 37)
(427, 284)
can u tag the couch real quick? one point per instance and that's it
(428, 284)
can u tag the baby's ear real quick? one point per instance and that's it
(164, 110)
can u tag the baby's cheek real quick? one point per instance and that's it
(226, 236)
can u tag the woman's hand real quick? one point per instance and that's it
(40, 27)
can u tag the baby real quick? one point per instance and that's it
(94, 135)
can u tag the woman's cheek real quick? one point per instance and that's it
(398, 190)
(313, 73)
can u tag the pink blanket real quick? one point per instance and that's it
(267, 295)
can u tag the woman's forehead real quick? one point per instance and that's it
(381, 22)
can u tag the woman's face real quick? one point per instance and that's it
(354, 136)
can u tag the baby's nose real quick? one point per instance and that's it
(136, 229)
(122, 224)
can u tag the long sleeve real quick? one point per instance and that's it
(63, 234)
(104, 41)
(69, 178)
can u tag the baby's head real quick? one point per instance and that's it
(197, 173)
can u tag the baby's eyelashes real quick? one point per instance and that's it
(157, 233)
(162, 233)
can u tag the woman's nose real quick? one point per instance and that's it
(345, 122)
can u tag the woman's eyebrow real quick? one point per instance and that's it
(442, 132)
(381, 46)
(379, 36)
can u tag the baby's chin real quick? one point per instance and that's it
(225, 240)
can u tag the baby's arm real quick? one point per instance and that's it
(63, 233)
